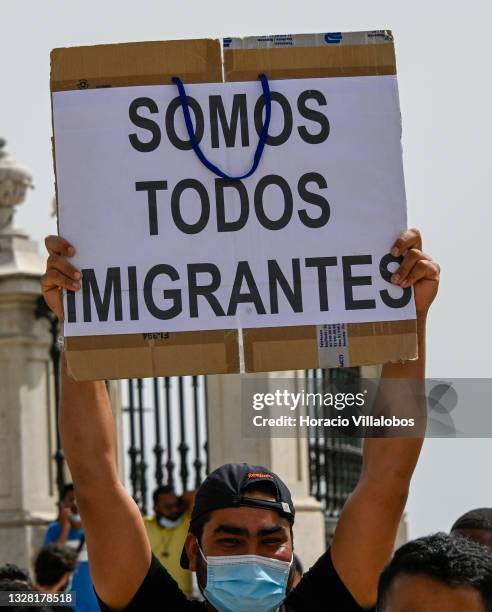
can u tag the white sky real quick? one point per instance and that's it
(443, 54)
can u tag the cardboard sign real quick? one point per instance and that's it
(166, 246)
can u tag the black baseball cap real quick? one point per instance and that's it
(226, 487)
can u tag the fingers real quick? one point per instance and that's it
(56, 280)
(56, 262)
(409, 244)
(56, 245)
(409, 239)
(412, 257)
(60, 273)
(425, 268)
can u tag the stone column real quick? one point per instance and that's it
(27, 472)
(114, 389)
(288, 457)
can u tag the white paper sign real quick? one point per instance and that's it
(165, 245)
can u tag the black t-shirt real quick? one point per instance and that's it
(320, 590)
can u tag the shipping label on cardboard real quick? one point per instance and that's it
(333, 348)
(164, 244)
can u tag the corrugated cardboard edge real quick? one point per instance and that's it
(383, 341)
(137, 356)
(286, 348)
(296, 348)
(290, 348)
(122, 65)
(128, 64)
(327, 60)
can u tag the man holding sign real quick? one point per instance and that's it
(250, 540)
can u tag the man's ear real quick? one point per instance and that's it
(191, 546)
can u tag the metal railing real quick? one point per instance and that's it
(334, 462)
(43, 312)
(165, 434)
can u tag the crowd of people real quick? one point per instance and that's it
(54, 568)
(61, 565)
(452, 570)
(229, 546)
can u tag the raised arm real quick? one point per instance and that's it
(64, 520)
(367, 528)
(117, 544)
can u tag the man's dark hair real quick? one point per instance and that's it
(53, 562)
(162, 490)
(298, 565)
(68, 488)
(196, 526)
(454, 560)
(265, 488)
(480, 518)
(10, 571)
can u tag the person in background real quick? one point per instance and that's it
(67, 529)
(54, 567)
(17, 580)
(19, 586)
(476, 525)
(10, 571)
(167, 531)
(438, 573)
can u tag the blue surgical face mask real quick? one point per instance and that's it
(168, 523)
(246, 583)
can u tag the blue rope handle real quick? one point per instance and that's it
(196, 147)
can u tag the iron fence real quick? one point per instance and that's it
(334, 462)
(165, 433)
(43, 312)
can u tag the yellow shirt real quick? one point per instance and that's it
(167, 545)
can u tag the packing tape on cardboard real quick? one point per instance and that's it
(309, 40)
(333, 349)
